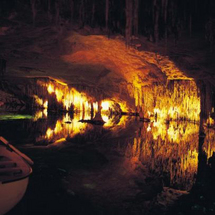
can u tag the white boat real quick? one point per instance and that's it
(14, 174)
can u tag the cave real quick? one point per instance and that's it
(113, 101)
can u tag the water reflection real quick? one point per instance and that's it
(167, 150)
(64, 127)
(209, 143)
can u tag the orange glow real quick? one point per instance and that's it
(70, 99)
(40, 114)
(149, 128)
(95, 106)
(105, 118)
(178, 101)
(66, 127)
(41, 102)
(209, 143)
(66, 96)
(106, 105)
(106, 112)
(59, 95)
(45, 104)
(210, 121)
(49, 133)
(108, 121)
(174, 131)
(50, 88)
(140, 70)
(170, 149)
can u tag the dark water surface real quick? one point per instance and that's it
(123, 167)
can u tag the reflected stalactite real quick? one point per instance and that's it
(169, 145)
(68, 125)
(64, 127)
(202, 158)
(164, 155)
(209, 146)
(205, 149)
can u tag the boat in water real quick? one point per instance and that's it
(15, 168)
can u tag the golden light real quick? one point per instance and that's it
(179, 100)
(49, 133)
(105, 118)
(68, 97)
(149, 128)
(210, 121)
(38, 100)
(105, 105)
(40, 114)
(66, 127)
(41, 102)
(45, 104)
(95, 106)
(50, 88)
(172, 149)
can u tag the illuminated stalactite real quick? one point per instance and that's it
(207, 104)
(62, 97)
(176, 101)
(57, 96)
(179, 100)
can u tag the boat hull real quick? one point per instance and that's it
(11, 193)
(14, 175)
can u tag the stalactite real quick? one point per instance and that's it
(72, 10)
(128, 28)
(57, 12)
(93, 13)
(34, 10)
(106, 14)
(81, 13)
(190, 25)
(49, 11)
(156, 13)
(179, 100)
(165, 7)
(136, 16)
(207, 105)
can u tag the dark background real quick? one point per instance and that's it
(189, 15)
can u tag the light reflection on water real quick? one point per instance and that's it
(168, 150)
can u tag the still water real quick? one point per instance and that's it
(167, 150)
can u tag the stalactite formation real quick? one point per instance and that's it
(158, 19)
(179, 100)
